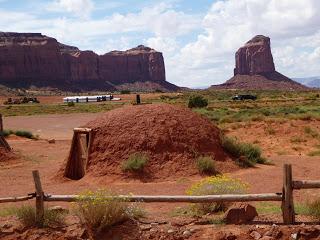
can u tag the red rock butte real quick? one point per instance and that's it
(255, 69)
(32, 59)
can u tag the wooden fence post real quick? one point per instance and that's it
(1, 123)
(39, 198)
(287, 196)
(138, 100)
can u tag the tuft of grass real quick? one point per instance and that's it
(314, 153)
(71, 104)
(269, 130)
(27, 215)
(205, 165)
(135, 162)
(313, 208)
(311, 132)
(268, 208)
(247, 154)
(103, 209)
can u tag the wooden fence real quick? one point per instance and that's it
(286, 196)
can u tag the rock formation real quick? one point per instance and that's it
(32, 59)
(255, 69)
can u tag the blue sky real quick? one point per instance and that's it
(198, 38)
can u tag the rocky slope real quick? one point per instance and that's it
(255, 69)
(32, 59)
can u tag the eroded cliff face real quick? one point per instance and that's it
(255, 57)
(32, 59)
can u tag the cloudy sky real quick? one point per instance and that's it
(197, 37)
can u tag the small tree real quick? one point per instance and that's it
(197, 101)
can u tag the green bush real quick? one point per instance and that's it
(99, 212)
(71, 104)
(197, 101)
(27, 215)
(206, 165)
(135, 162)
(247, 154)
(221, 184)
(6, 133)
(125, 91)
(23, 133)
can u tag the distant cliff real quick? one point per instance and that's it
(32, 59)
(255, 69)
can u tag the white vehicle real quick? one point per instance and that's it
(82, 99)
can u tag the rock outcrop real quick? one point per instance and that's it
(254, 57)
(32, 59)
(255, 69)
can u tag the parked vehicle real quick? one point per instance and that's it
(21, 100)
(244, 97)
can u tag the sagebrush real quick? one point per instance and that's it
(102, 209)
(216, 185)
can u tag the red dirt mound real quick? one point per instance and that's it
(171, 136)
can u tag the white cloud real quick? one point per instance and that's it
(80, 8)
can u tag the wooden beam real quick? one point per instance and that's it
(16, 199)
(39, 198)
(287, 201)
(305, 184)
(82, 130)
(178, 198)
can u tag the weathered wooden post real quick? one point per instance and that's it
(1, 123)
(287, 196)
(138, 99)
(39, 198)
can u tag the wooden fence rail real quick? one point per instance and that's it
(286, 197)
(178, 198)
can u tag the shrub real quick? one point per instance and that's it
(23, 133)
(6, 133)
(197, 102)
(71, 104)
(135, 163)
(206, 165)
(125, 91)
(27, 215)
(99, 213)
(247, 154)
(310, 131)
(221, 184)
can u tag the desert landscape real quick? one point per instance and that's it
(99, 144)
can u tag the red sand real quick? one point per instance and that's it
(5, 155)
(172, 137)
